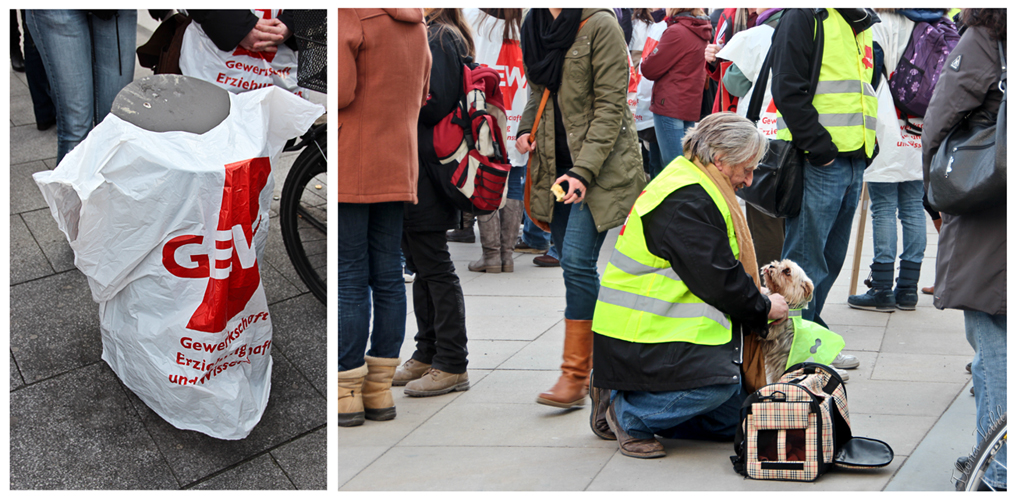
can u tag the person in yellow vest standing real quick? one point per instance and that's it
(830, 113)
(680, 305)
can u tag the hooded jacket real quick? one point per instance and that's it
(384, 70)
(971, 261)
(677, 67)
(601, 130)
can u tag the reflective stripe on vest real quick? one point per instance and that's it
(641, 297)
(844, 98)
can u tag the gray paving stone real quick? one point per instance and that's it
(80, 431)
(482, 468)
(949, 321)
(410, 414)
(354, 459)
(902, 433)
(261, 473)
(16, 381)
(299, 332)
(886, 397)
(922, 367)
(510, 286)
(915, 338)
(294, 407)
(21, 111)
(860, 338)
(481, 326)
(29, 144)
(51, 240)
(54, 326)
(18, 86)
(27, 260)
(25, 194)
(275, 255)
(483, 354)
(303, 460)
(277, 287)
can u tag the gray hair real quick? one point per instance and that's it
(727, 135)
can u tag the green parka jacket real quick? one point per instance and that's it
(598, 120)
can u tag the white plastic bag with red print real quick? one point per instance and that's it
(238, 70)
(169, 229)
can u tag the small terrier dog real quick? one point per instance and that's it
(788, 279)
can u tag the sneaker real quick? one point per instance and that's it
(409, 371)
(407, 275)
(881, 300)
(436, 382)
(465, 235)
(522, 247)
(906, 298)
(845, 362)
(968, 367)
(844, 377)
(546, 261)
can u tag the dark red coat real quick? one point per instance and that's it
(677, 67)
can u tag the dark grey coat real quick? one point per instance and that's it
(971, 263)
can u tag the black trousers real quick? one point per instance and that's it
(437, 302)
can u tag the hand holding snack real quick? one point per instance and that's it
(575, 193)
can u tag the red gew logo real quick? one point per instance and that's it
(510, 69)
(231, 268)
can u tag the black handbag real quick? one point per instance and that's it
(778, 181)
(968, 172)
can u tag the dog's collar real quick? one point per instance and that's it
(794, 312)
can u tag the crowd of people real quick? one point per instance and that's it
(639, 115)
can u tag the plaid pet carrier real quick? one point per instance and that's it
(470, 144)
(799, 427)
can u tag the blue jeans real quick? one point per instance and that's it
(38, 85)
(987, 335)
(902, 200)
(670, 132)
(369, 272)
(515, 182)
(817, 239)
(710, 412)
(578, 242)
(533, 236)
(87, 60)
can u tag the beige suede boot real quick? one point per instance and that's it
(490, 242)
(511, 215)
(351, 402)
(378, 403)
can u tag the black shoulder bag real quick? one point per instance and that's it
(968, 172)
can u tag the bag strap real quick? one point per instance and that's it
(533, 134)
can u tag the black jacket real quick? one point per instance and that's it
(227, 28)
(794, 78)
(688, 231)
(434, 212)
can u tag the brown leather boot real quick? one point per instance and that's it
(577, 360)
(630, 446)
(378, 403)
(511, 215)
(490, 242)
(601, 399)
(351, 402)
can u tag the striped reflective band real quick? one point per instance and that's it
(838, 120)
(636, 268)
(844, 87)
(661, 307)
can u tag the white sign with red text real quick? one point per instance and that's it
(169, 229)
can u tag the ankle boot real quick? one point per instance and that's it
(490, 242)
(880, 295)
(378, 403)
(577, 360)
(510, 217)
(351, 402)
(906, 293)
(464, 235)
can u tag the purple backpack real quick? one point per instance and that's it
(918, 70)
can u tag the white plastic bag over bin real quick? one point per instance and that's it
(169, 227)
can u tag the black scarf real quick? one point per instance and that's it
(544, 42)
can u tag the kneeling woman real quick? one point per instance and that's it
(680, 301)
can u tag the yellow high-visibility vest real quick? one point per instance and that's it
(845, 99)
(641, 298)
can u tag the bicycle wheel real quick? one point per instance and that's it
(303, 217)
(984, 456)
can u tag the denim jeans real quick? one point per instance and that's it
(817, 239)
(515, 182)
(902, 200)
(670, 132)
(533, 236)
(369, 272)
(578, 242)
(987, 335)
(710, 412)
(87, 60)
(38, 85)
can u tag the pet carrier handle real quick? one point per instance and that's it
(775, 396)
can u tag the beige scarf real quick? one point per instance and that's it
(753, 367)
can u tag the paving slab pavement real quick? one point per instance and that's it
(495, 437)
(74, 425)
